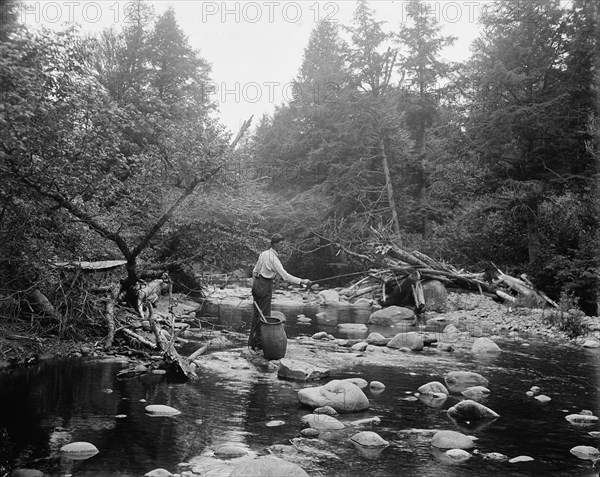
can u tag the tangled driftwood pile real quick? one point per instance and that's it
(391, 261)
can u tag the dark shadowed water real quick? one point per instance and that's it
(84, 398)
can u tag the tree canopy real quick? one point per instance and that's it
(109, 148)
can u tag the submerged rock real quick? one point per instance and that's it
(310, 432)
(230, 451)
(521, 458)
(323, 422)
(300, 371)
(369, 439)
(581, 419)
(161, 410)
(496, 456)
(326, 410)
(79, 450)
(458, 381)
(27, 473)
(469, 410)
(476, 393)
(458, 455)
(352, 327)
(433, 400)
(267, 467)
(451, 440)
(485, 345)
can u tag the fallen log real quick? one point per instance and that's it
(200, 351)
(170, 353)
(43, 305)
(506, 296)
(139, 338)
(516, 284)
(539, 292)
(364, 291)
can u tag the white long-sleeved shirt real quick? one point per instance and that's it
(269, 265)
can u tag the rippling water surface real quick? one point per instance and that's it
(84, 399)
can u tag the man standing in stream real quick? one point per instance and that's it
(265, 271)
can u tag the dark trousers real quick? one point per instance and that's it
(262, 292)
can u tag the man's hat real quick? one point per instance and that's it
(276, 239)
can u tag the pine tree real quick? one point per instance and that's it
(422, 72)
(371, 58)
(531, 77)
(322, 74)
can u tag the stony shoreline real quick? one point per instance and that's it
(473, 315)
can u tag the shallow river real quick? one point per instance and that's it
(85, 398)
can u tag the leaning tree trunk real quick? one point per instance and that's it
(533, 233)
(390, 188)
(109, 315)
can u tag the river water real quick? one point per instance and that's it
(49, 404)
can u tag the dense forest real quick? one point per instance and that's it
(111, 150)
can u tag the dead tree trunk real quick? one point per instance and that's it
(390, 188)
(170, 353)
(109, 315)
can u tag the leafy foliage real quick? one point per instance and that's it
(110, 149)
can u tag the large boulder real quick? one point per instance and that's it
(343, 396)
(377, 339)
(458, 381)
(391, 315)
(469, 410)
(433, 387)
(326, 297)
(435, 296)
(411, 340)
(230, 450)
(267, 467)
(451, 440)
(485, 345)
(300, 371)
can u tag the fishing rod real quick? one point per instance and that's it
(339, 276)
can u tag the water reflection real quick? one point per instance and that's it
(50, 404)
